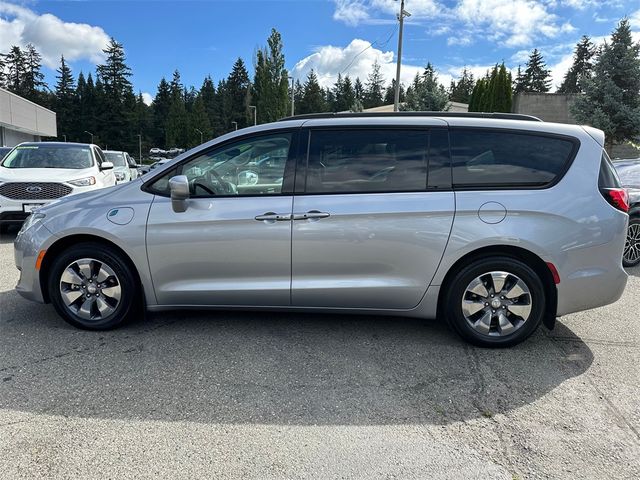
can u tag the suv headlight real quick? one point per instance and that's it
(120, 176)
(83, 182)
(31, 221)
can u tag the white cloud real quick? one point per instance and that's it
(147, 98)
(512, 22)
(634, 19)
(355, 12)
(50, 35)
(355, 60)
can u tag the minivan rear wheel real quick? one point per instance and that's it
(631, 256)
(495, 302)
(92, 287)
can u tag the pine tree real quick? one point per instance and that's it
(16, 67)
(426, 93)
(177, 134)
(198, 120)
(270, 85)
(461, 90)
(519, 84)
(611, 100)
(374, 91)
(210, 100)
(33, 82)
(389, 93)
(581, 68)
(478, 95)
(502, 95)
(312, 100)
(537, 78)
(65, 100)
(160, 111)
(235, 97)
(115, 73)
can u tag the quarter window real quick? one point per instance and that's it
(493, 158)
(368, 160)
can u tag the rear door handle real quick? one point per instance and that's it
(312, 214)
(273, 217)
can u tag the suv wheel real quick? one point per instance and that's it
(92, 287)
(495, 302)
(631, 256)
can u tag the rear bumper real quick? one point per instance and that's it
(591, 278)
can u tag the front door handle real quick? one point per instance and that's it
(273, 217)
(312, 214)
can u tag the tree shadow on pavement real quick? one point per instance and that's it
(271, 368)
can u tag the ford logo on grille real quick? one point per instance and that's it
(33, 189)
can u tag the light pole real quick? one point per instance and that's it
(403, 13)
(235, 124)
(139, 148)
(87, 131)
(200, 132)
(255, 114)
(293, 92)
(65, 138)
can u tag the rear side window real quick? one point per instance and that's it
(608, 177)
(490, 158)
(367, 161)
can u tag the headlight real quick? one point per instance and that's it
(31, 221)
(120, 176)
(83, 182)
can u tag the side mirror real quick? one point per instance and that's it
(106, 166)
(179, 187)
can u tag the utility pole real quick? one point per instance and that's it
(139, 148)
(293, 98)
(403, 13)
(255, 114)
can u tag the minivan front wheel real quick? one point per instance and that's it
(495, 302)
(92, 287)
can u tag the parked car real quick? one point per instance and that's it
(629, 173)
(37, 173)
(496, 223)
(124, 167)
(157, 151)
(4, 151)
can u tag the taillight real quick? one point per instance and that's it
(617, 197)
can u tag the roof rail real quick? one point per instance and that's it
(501, 116)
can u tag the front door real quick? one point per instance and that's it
(370, 228)
(232, 246)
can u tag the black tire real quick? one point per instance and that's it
(122, 311)
(455, 292)
(632, 243)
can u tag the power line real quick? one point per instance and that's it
(376, 42)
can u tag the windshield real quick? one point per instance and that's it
(117, 158)
(4, 151)
(49, 156)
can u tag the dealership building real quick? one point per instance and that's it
(23, 121)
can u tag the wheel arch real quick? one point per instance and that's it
(65, 242)
(531, 259)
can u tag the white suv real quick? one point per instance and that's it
(124, 167)
(34, 174)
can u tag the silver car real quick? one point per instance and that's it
(496, 223)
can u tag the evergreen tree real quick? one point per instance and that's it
(143, 125)
(115, 73)
(177, 134)
(235, 97)
(501, 92)
(210, 100)
(270, 85)
(519, 84)
(16, 67)
(581, 68)
(65, 100)
(33, 82)
(374, 91)
(160, 111)
(461, 90)
(611, 100)
(537, 78)
(198, 120)
(313, 100)
(344, 94)
(389, 94)
(426, 93)
(478, 95)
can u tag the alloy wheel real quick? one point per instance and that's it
(90, 289)
(497, 303)
(631, 253)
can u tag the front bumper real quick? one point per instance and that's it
(27, 246)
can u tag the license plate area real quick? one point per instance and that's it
(30, 207)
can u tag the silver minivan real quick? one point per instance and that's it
(495, 222)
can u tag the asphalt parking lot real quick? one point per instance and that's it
(272, 395)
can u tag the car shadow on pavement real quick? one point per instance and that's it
(271, 368)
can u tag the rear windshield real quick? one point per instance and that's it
(49, 156)
(493, 158)
(116, 158)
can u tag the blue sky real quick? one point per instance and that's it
(332, 36)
